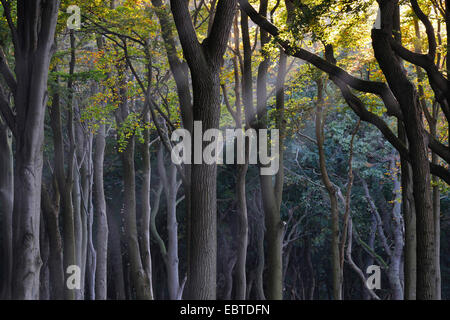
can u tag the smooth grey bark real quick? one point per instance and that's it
(78, 213)
(79, 189)
(241, 274)
(146, 208)
(6, 209)
(180, 72)
(170, 186)
(101, 243)
(91, 254)
(242, 232)
(258, 231)
(242, 291)
(64, 178)
(82, 189)
(139, 279)
(271, 194)
(33, 38)
(50, 213)
(101, 217)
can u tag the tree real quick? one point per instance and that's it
(6, 209)
(33, 39)
(204, 60)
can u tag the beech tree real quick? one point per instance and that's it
(204, 60)
(33, 38)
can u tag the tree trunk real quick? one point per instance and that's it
(180, 74)
(138, 276)
(51, 213)
(6, 209)
(240, 270)
(436, 207)
(33, 51)
(408, 99)
(146, 208)
(202, 280)
(44, 290)
(115, 261)
(259, 231)
(271, 196)
(397, 235)
(335, 252)
(409, 216)
(101, 217)
(65, 188)
(204, 60)
(170, 185)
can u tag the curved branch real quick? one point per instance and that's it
(441, 172)
(378, 88)
(154, 230)
(439, 148)
(428, 26)
(423, 60)
(353, 264)
(358, 107)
